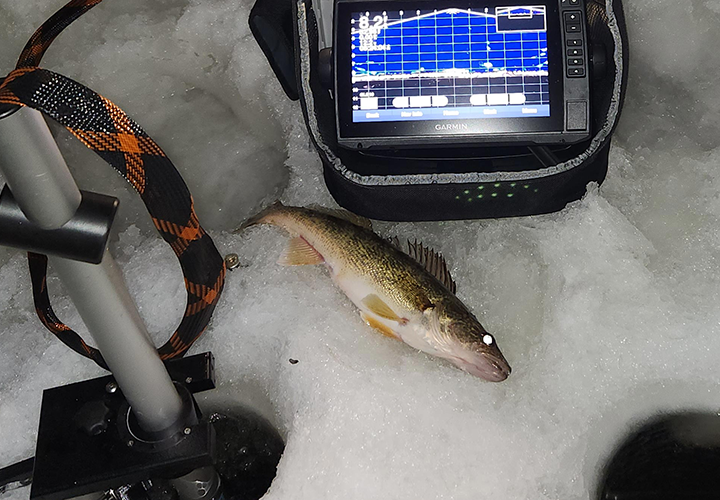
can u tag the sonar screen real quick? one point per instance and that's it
(406, 74)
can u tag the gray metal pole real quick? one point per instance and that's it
(46, 192)
(35, 170)
(102, 299)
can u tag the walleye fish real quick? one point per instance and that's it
(407, 296)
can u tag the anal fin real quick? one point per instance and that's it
(300, 253)
(379, 326)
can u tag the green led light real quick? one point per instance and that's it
(481, 187)
(494, 195)
(480, 196)
(497, 184)
(466, 191)
(510, 195)
(469, 199)
(513, 184)
(526, 186)
(535, 190)
(457, 197)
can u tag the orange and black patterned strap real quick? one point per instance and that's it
(107, 130)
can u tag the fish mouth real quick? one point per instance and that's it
(485, 366)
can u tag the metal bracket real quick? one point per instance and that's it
(83, 238)
(84, 446)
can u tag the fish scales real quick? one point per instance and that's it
(368, 255)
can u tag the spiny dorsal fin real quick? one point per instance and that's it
(343, 214)
(433, 262)
(395, 241)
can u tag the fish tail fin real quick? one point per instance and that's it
(260, 216)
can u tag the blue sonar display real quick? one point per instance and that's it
(449, 64)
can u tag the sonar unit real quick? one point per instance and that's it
(407, 75)
(452, 109)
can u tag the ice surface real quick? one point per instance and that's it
(607, 311)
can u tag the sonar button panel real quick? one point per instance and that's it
(575, 64)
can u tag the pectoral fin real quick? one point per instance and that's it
(379, 326)
(376, 305)
(300, 253)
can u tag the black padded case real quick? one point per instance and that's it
(449, 183)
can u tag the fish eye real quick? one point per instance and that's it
(487, 339)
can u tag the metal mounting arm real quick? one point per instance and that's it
(46, 192)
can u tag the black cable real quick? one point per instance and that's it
(544, 155)
(21, 472)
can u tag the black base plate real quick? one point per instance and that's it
(74, 458)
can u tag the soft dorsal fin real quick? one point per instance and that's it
(257, 218)
(432, 261)
(300, 253)
(343, 214)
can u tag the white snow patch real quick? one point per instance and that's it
(607, 311)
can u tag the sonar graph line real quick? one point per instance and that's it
(379, 27)
(406, 46)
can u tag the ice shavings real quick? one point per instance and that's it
(607, 311)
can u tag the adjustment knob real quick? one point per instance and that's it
(93, 418)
